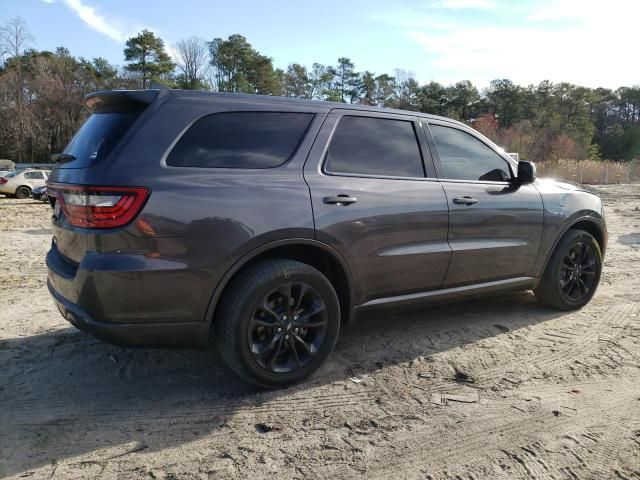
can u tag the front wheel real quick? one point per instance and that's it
(277, 323)
(573, 272)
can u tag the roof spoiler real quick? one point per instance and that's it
(109, 98)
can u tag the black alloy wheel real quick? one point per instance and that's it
(277, 323)
(287, 328)
(572, 274)
(578, 271)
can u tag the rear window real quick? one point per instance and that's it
(240, 140)
(99, 135)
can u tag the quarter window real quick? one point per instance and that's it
(464, 157)
(374, 146)
(240, 140)
(34, 175)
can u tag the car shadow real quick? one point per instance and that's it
(66, 395)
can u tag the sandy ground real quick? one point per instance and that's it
(497, 388)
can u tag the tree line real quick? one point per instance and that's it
(41, 95)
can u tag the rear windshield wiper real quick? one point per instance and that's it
(62, 157)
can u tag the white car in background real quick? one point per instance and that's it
(21, 182)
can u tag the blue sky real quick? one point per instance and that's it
(589, 42)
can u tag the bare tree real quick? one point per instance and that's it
(192, 58)
(14, 39)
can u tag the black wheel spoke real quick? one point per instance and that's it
(584, 251)
(292, 346)
(287, 294)
(264, 323)
(267, 309)
(317, 308)
(303, 344)
(276, 352)
(271, 345)
(302, 291)
(311, 323)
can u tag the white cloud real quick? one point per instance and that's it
(115, 28)
(585, 42)
(94, 20)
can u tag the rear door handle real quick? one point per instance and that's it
(464, 201)
(340, 200)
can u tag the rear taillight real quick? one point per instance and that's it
(3, 181)
(99, 207)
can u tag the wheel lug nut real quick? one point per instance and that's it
(295, 317)
(284, 317)
(295, 330)
(279, 329)
(286, 337)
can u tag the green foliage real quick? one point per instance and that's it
(146, 56)
(241, 69)
(594, 152)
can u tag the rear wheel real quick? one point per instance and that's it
(277, 323)
(573, 272)
(23, 192)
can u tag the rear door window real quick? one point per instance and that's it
(99, 135)
(240, 140)
(374, 147)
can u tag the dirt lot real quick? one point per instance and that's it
(498, 388)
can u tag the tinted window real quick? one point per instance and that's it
(34, 175)
(240, 140)
(464, 157)
(99, 134)
(375, 146)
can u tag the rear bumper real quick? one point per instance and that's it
(117, 300)
(183, 334)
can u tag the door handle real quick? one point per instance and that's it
(342, 200)
(464, 200)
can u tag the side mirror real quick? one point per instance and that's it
(526, 172)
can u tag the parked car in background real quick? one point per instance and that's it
(6, 167)
(266, 223)
(40, 193)
(22, 182)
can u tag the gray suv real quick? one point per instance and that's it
(266, 223)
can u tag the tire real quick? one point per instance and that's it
(253, 324)
(563, 282)
(23, 192)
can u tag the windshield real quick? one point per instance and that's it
(99, 134)
(11, 174)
